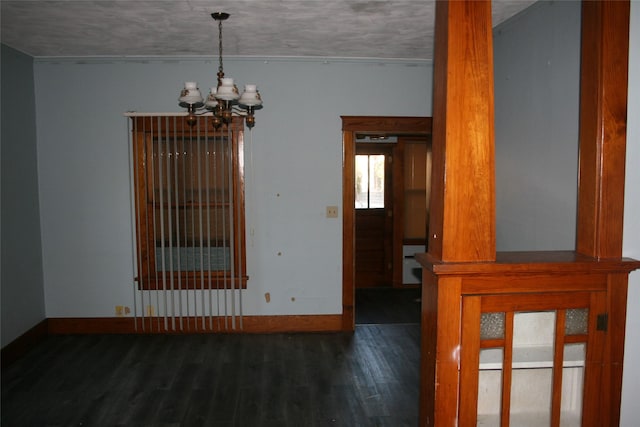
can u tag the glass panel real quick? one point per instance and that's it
(188, 170)
(188, 226)
(190, 195)
(491, 326)
(370, 181)
(535, 329)
(577, 321)
(532, 364)
(572, 385)
(490, 386)
(362, 181)
(531, 397)
(376, 181)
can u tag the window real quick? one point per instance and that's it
(189, 198)
(370, 170)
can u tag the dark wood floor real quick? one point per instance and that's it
(368, 378)
(387, 305)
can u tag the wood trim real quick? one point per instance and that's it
(603, 118)
(178, 124)
(614, 346)
(507, 372)
(557, 371)
(150, 325)
(530, 262)
(428, 364)
(397, 182)
(25, 342)
(348, 231)
(386, 124)
(439, 357)
(593, 407)
(469, 361)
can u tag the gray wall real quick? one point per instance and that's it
(537, 66)
(293, 158)
(22, 284)
(631, 237)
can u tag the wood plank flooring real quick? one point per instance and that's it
(368, 378)
(388, 305)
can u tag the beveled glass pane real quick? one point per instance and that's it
(490, 387)
(491, 326)
(577, 321)
(572, 385)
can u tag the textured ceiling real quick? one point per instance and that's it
(317, 28)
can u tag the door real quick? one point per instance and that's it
(374, 215)
(532, 359)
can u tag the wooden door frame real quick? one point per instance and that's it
(366, 125)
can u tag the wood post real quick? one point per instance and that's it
(603, 127)
(462, 220)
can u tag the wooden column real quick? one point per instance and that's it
(603, 118)
(462, 202)
(462, 220)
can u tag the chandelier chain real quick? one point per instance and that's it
(220, 67)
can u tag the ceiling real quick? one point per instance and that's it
(312, 28)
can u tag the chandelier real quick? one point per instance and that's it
(224, 100)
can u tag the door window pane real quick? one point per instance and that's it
(370, 181)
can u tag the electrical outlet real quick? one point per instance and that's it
(150, 310)
(119, 310)
(332, 212)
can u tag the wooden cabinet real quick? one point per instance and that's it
(531, 339)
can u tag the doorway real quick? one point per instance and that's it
(354, 128)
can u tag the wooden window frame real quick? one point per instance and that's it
(144, 130)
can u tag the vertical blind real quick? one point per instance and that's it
(188, 209)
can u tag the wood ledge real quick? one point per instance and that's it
(530, 262)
